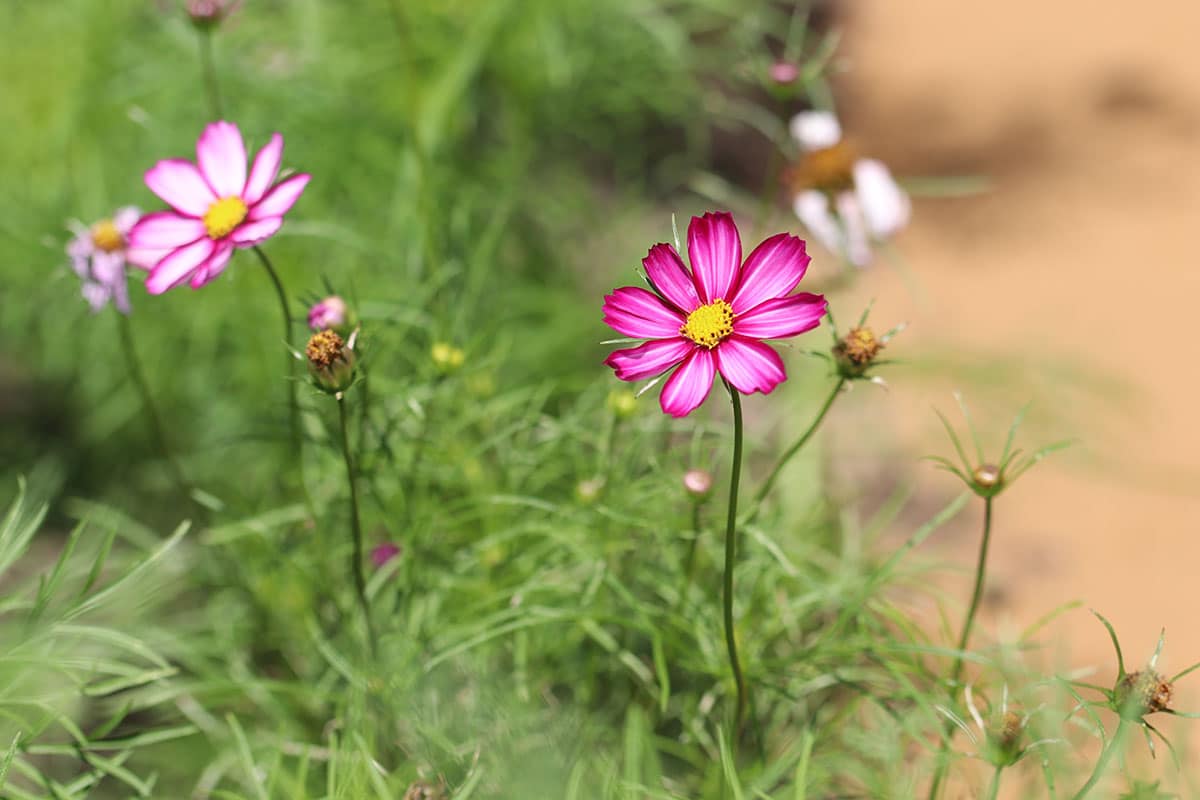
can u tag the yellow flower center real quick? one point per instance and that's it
(224, 215)
(106, 236)
(828, 169)
(708, 325)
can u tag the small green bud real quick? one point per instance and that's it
(622, 403)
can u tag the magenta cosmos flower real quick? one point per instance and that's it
(215, 207)
(713, 318)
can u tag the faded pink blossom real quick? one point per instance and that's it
(381, 554)
(328, 313)
(210, 13)
(783, 73)
(100, 254)
(714, 317)
(215, 207)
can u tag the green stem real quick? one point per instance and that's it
(689, 568)
(964, 640)
(356, 559)
(293, 401)
(730, 557)
(994, 788)
(208, 68)
(769, 483)
(156, 425)
(1118, 738)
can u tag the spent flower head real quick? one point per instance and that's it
(985, 477)
(845, 201)
(100, 254)
(216, 206)
(999, 732)
(715, 317)
(331, 361)
(856, 354)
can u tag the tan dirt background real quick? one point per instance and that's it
(1071, 283)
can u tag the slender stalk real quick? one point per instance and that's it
(293, 401)
(209, 71)
(156, 425)
(356, 559)
(731, 554)
(689, 565)
(1114, 744)
(790, 453)
(994, 787)
(964, 640)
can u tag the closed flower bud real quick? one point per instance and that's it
(855, 352)
(446, 357)
(330, 313)
(698, 484)
(330, 362)
(589, 491)
(1004, 739)
(987, 478)
(1141, 693)
(783, 73)
(622, 403)
(424, 790)
(207, 14)
(381, 554)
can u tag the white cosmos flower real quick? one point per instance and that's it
(872, 208)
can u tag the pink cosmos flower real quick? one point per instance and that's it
(713, 318)
(328, 313)
(99, 255)
(215, 207)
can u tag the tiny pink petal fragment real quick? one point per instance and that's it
(181, 186)
(381, 554)
(814, 130)
(649, 359)
(221, 154)
(279, 200)
(639, 313)
(687, 388)
(781, 317)
(772, 270)
(665, 269)
(252, 233)
(145, 257)
(885, 206)
(749, 365)
(715, 250)
(213, 266)
(178, 266)
(264, 171)
(165, 229)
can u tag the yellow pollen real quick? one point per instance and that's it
(708, 325)
(224, 215)
(106, 236)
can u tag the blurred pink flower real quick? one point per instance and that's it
(209, 13)
(845, 212)
(99, 255)
(383, 553)
(713, 318)
(215, 207)
(328, 313)
(783, 73)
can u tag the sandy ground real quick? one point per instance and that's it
(1071, 283)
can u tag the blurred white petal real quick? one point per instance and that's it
(816, 129)
(885, 206)
(854, 225)
(812, 209)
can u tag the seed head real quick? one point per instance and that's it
(330, 362)
(1004, 739)
(855, 351)
(1143, 692)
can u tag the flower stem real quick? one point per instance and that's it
(1118, 738)
(731, 554)
(994, 788)
(156, 425)
(208, 68)
(356, 559)
(790, 453)
(689, 568)
(293, 401)
(964, 639)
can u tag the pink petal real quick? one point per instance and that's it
(181, 186)
(666, 271)
(772, 270)
(125, 218)
(636, 312)
(165, 229)
(715, 250)
(781, 317)
(179, 265)
(221, 154)
(277, 201)
(885, 206)
(649, 359)
(691, 383)
(251, 233)
(750, 366)
(264, 171)
(214, 265)
(145, 258)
